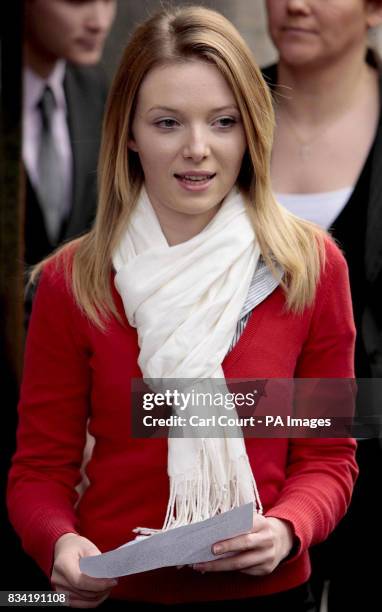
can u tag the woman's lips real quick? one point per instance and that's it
(294, 30)
(195, 182)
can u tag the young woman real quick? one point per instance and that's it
(326, 167)
(180, 278)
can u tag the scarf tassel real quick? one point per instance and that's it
(197, 498)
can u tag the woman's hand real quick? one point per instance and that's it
(84, 591)
(256, 553)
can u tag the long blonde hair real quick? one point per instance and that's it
(178, 35)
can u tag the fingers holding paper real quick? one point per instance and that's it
(257, 553)
(84, 591)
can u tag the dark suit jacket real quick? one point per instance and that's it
(85, 91)
(371, 328)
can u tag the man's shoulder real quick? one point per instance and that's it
(92, 79)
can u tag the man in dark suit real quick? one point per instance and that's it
(63, 42)
(64, 96)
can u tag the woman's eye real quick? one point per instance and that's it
(225, 122)
(166, 123)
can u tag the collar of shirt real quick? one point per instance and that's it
(263, 284)
(34, 86)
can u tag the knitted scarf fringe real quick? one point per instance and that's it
(199, 496)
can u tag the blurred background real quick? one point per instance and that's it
(248, 16)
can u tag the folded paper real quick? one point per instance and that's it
(181, 546)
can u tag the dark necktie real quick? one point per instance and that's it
(50, 189)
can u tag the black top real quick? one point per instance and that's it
(349, 231)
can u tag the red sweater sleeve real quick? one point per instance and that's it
(321, 471)
(53, 410)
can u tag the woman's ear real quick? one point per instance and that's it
(374, 13)
(132, 145)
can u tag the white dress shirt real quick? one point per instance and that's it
(33, 87)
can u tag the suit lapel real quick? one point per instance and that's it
(75, 111)
(36, 241)
(79, 108)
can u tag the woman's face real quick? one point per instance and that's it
(188, 133)
(317, 31)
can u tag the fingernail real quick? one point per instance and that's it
(217, 550)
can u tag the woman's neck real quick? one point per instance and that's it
(178, 226)
(312, 95)
(184, 228)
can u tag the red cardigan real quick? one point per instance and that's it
(73, 371)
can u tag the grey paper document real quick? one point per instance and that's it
(180, 546)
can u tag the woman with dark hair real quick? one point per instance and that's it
(326, 167)
(192, 270)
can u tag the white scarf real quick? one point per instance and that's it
(185, 301)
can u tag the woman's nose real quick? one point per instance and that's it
(196, 146)
(298, 6)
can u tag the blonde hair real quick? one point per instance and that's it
(178, 35)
